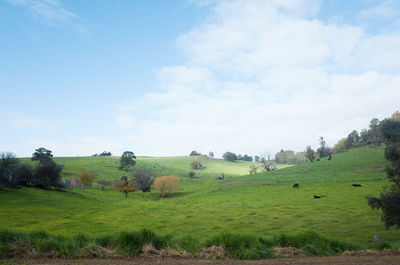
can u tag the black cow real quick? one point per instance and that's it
(317, 197)
(296, 185)
(330, 157)
(356, 185)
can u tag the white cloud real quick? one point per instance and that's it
(267, 75)
(21, 120)
(52, 13)
(385, 9)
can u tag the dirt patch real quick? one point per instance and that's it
(289, 252)
(149, 251)
(372, 252)
(213, 252)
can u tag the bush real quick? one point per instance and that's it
(196, 164)
(166, 185)
(191, 174)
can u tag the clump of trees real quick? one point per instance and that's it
(194, 153)
(45, 174)
(229, 156)
(211, 154)
(290, 157)
(86, 178)
(245, 157)
(389, 200)
(372, 135)
(166, 185)
(126, 160)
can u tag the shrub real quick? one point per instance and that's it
(191, 174)
(196, 164)
(166, 185)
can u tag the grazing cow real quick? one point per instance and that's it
(356, 185)
(295, 185)
(317, 197)
(330, 157)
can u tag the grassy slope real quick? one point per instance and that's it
(107, 167)
(264, 204)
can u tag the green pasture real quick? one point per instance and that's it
(264, 204)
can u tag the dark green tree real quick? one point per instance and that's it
(194, 153)
(353, 139)
(42, 155)
(8, 164)
(142, 179)
(211, 154)
(126, 160)
(389, 200)
(229, 156)
(310, 153)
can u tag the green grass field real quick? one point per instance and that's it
(262, 204)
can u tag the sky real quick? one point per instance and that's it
(163, 78)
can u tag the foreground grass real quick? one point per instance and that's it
(264, 204)
(201, 209)
(238, 246)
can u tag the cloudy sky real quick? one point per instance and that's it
(163, 78)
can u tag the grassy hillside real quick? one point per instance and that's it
(107, 167)
(263, 204)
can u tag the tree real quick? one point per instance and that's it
(194, 153)
(166, 185)
(191, 174)
(256, 158)
(141, 179)
(353, 139)
(310, 153)
(47, 175)
(124, 186)
(126, 160)
(340, 146)
(42, 155)
(8, 163)
(105, 153)
(389, 200)
(323, 150)
(86, 178)
(211, 154)
(196, 164)
(229, 156)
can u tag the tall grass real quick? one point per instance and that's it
(130, 243)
